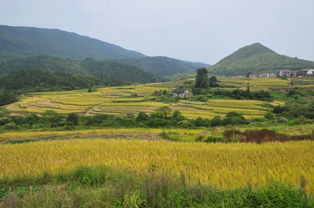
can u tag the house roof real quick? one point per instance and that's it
(180, 90)
(306, 70)
(286, 70)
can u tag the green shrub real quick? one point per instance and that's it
(171, 136)
(90, 176)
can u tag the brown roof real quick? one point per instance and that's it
(286, 70)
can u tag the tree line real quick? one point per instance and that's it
(163, 117)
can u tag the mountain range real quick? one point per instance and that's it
(256, 58)
(21, 42)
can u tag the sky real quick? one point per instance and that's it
(195, 30)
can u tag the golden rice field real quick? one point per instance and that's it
(121, 101)
(218, 165)
(255, 83)
(145, 133)
(266, 83)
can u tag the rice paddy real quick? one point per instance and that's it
(144, 151)
(224, 166)
(134, 99)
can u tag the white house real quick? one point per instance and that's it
(286, 73)
(182, 93)
(307, 72)
(264, 75)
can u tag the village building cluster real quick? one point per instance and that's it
(284, 73)
(292, 73)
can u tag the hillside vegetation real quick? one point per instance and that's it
(19, 42)
(30, 41)
(256, 58)
(45, 73)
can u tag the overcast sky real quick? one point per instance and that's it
(196, 30)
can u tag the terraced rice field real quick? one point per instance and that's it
(267, 83)
(132, 100)
(143, 133)
(255, 83)
(218, 165)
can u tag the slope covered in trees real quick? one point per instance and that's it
(53, 73)
(19, 42)
(256, 58)
(29, 41)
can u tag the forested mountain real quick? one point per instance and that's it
(53, 73)
(19, 42)
(29, 41)
(47, 63)
(256, 58)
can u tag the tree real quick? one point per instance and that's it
(142, 117)
(248, 90)
(213, 79)
(72, 119)
(216, 121)
(177, 116)
(52, 118)
(234, 118)
(7, 97)
(213, 82)
(164, 112)
(201, 80)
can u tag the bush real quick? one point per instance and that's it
(212, 139)
(90, 176)
(10, 126)
(244, 94)
(202, 122)
(171, 136)
(269, 116)
(216, 121)
(72, 119)
(234, 118)
(202, 98)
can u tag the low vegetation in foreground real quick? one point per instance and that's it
(103, 187)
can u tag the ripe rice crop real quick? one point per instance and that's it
(133, 99)
(218, 165)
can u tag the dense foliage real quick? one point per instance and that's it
(163, 117)
(18, 42)
(46, 73)
(201, 79)
(39, 80)
(108, 71)
(294, 110)
(27, 41)
(7, 97)
(243, 94)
